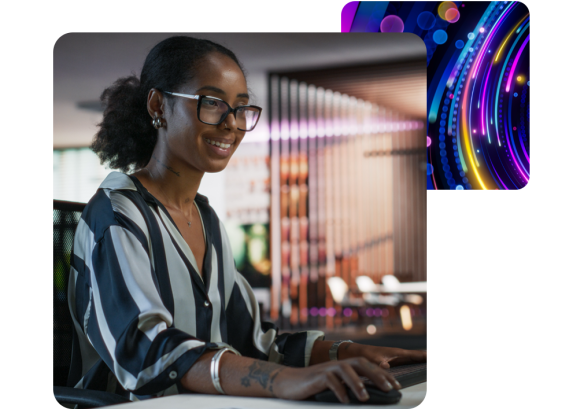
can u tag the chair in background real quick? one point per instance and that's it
(66, 215)
(411, 290)
(373, 293)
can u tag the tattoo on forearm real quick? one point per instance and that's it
(262, 372)
(167, 167)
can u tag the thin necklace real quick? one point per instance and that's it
(166, 197)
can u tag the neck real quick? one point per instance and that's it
(173, 183)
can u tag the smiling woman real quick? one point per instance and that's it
(154, 294)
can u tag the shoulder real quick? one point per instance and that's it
(116, 202)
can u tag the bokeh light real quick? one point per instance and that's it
(451, 15)
(428, 141)
(459, 44)
(426, 20)
(444, 7)
(371, 329)
(471, 36)
(392, 24)
(440, 36)
(429, 169)
(482, 29)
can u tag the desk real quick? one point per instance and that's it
(412, 397)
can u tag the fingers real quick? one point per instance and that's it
(348, 374)
(335, 385)
(379, 376)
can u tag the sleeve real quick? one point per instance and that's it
(290, 349)
(128, 323)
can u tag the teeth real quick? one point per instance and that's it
(219, 144)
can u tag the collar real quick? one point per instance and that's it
(121, 181)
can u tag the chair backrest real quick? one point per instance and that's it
(390, 282)
(365, 284)
(66, 215)
(338, 288)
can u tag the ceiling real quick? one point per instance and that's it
(85, 64)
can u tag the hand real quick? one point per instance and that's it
(382, 356)
(302, 383)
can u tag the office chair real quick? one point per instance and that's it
(66, 215)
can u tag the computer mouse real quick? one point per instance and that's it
(376, 396)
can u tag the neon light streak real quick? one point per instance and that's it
(501, 79)
(511, 145)
(504, 42)
(473, 150)
(483, 111)
(490, 38)
(515, 62)
(498, 177)
(466, 137)
(509, 126)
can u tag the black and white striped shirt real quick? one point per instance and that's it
(142, 311)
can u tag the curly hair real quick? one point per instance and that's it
(126, 137)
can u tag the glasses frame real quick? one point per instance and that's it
(199, 98)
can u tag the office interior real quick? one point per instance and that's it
(324, 202)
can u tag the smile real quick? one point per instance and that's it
(218, 144)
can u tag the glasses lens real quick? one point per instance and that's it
(247, 118)
(212, 110)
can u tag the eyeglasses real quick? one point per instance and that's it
(213, 111)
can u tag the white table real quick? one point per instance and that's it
(412, 397)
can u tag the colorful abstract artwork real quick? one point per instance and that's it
(478, 86)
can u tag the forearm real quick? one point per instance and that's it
(240, 376)
(320, 351)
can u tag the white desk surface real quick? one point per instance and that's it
(411, 397)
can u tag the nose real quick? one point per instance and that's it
(229, 122)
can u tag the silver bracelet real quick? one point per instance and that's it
(215, 370)
(333, 352)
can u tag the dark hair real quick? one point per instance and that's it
(126, 137)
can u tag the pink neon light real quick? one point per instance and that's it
(488, 41)
(484, 108)
(515, 63)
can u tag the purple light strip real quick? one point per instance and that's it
(489, 39)
(483, 106)
(515, 62)
(523, 147)
(498, 177)
(347, 16)
(510, 150)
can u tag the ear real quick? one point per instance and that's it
(155, 103)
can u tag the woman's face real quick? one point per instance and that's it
(190, 140)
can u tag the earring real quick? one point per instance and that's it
(158, 122)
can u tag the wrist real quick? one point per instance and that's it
(348, 350)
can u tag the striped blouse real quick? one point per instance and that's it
(143, 312)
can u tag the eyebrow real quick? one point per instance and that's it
(220, 91)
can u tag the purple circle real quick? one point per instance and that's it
(392, 24)
(428, 141)
(347, 312)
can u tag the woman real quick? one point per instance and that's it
(157, 304)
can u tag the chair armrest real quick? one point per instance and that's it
(86, 398)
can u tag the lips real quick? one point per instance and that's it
(219, 148)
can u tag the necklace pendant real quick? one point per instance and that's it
(189, 223)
